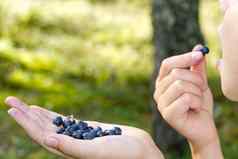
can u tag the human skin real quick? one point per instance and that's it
(228, 65)
(186, 103)
(37, 122)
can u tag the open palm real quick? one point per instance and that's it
(37, 122)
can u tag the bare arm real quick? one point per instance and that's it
(212, 150)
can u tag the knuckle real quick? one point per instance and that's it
(188, 98)
(166, 116)
(175, 73)
(159, 108)
(179, 85)
(156, 96)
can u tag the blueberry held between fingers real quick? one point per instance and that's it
(205, 50)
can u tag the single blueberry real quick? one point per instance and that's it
(205, 50)
(117, 130)
(58, 121)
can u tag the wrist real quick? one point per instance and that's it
(207, 150)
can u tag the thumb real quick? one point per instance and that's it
(69, 146)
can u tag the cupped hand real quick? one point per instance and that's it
(37, 122)
(184, 98)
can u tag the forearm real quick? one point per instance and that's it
(212, 150)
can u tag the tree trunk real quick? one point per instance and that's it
(176, 30)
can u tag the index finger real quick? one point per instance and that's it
(180, 61)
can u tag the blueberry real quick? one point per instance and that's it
(88, 136)
(93, 133)
(106, 132)
(99, 131)
(112, 132)
(58, 121)
(82, 125)
(90, 128)
(117, 130)
(68, 133)
(205, 50)
(78, 134)
(60, 130)
(75, 127)
(68, 122)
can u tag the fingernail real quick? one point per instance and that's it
(15, 102)
(197, 56)
(51, 142)
(198, 47)
(12, 112)
(12, 101)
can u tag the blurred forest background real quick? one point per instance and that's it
(93, 59)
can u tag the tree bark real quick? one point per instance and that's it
(176, 30)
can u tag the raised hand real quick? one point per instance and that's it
(37, 122)
(185, 100)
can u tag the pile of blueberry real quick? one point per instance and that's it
(205, 50)
(81, 130)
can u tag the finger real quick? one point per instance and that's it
(201, 69)
(197, 47)
(180, 61)
(70, 146)
(50, 115)
(179, 107)
(176, 90)
(179, 74)
(16, 103)
(26, 123)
